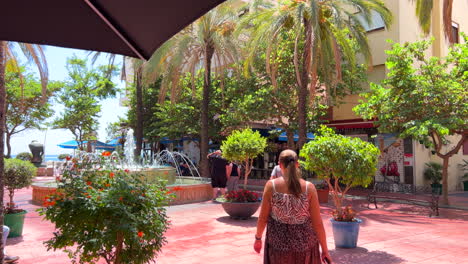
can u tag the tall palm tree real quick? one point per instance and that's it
(204, 45)
(34, 53)
(323, 32)
(424, 9)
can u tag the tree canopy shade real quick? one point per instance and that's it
(423, 98)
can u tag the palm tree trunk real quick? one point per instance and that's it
(8, 144)
(139, 113)
(2, 135)
(290, 138)
(208, 55)
(303, 89)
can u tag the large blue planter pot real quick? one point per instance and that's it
(346, 233)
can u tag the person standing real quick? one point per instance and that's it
(7, 258)
(290, 210)
(276, 172)
(233, 173)
(218, 172)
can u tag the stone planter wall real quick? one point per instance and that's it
(39, 193)
(191, 193)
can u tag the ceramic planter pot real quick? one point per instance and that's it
(322, 195)
(15, 222)
(346, 233)
(240, 210)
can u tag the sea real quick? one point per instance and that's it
(46, 157)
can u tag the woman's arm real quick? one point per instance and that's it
(317, 224)
(263, 217)
(228, 170)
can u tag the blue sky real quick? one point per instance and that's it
(110, 108)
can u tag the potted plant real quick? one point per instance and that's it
(322, 192)
(433, 173)
(18, 174)
(242, 146)
(107, 213)
(349, 162)
(240, 204)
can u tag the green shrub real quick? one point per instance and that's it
(433, 172)
(243, 146)
(18, 174)
(349, 161)
(107, 213)
(24, 156)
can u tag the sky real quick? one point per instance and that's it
(110, 108)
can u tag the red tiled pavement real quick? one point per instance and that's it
(202, 233)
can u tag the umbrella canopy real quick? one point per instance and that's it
(115, 142)
(73, 144)
(133, 28)
(283, 137)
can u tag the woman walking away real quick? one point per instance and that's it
(291, 212)
(232, 172)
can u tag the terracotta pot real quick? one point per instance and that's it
(241, 210)
(323, 196)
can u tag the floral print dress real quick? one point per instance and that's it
(290, 238)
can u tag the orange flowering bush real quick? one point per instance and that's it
(107, 214)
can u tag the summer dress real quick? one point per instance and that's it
(290, 238)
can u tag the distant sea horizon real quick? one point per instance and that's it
(51, 157)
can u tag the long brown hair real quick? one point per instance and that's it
(288, 159)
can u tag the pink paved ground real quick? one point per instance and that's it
(202, 233)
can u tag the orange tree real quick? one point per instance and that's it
(101, 212)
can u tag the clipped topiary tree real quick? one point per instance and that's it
(349, 161)
(24, 156)
(18, 174)
(243, 146)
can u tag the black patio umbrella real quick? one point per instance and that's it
(133, 28)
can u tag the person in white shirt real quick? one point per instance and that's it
(276, 173)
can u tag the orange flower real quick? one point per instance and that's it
(106, 154)
(107, 185)
(101, 189)
(140, 234)
(68, 158)
(90, 188)
(89, 196)
(111, 175)
(143, 194)
(121, 198)
(88, 183)
(168, 192)
(127, 170)
(178, 188)
(52, 203)
(85, 193)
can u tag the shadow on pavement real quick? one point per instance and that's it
(250, 222)
(361, 255)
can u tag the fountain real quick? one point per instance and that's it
(181, 174)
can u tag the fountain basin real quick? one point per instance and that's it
(186, 190)
(152, 174)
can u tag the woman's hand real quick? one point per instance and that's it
(326, 259)
(257, 245)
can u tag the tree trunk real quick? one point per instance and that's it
(2, 135)
(118, 248)
(445, 163)
(8, 144)
(303, 89)
(290, 137)
(139, 113)
(204, 138)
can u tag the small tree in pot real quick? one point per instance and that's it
(244, 146)
(18, 174)
(341, 160)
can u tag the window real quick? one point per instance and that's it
(377, 22)
(455, 33)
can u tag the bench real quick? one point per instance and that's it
(419, 195)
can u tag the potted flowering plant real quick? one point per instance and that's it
(107, 213)
(349, 162)
(18, 174)
(240, 204)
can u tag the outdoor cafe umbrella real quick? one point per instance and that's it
(73, 144)
(133, 28)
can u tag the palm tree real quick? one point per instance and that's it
(323, 32)
(204, 45)
(34, 53)
(424, 9)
